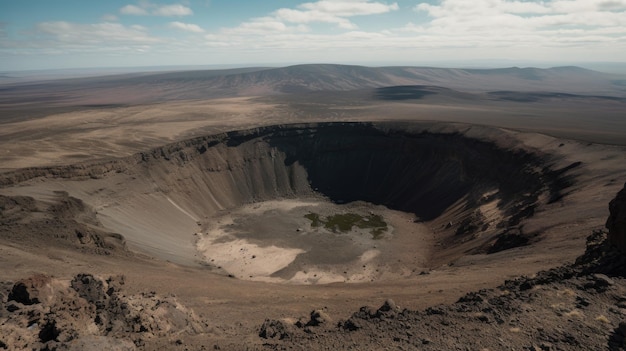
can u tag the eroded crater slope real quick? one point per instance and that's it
(470, 187)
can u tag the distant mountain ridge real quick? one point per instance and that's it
(331, 77)
(261, 81)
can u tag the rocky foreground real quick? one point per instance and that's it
(580, 306)
(576, 307)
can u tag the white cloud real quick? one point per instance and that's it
(335, 12)
(492, 28)
(146, 8)
(75, 34)
(524, 7)
(172, 10)
(189, 27)
(360, 35)
(450, 7)
(500, 21)
(258, 26)
(349, 8)
(297, 16)
(296, 20)
(133, 10)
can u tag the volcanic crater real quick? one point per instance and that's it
(296, 203)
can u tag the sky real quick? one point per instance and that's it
(61, 34)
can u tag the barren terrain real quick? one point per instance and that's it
(220, 197)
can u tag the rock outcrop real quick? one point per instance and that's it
(617, 220)
(89, 313)
(579, 306)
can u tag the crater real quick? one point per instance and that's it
(321, 202)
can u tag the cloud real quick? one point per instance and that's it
(552, 7)
(349, 8)
(194, 28)
(493, 28)
(76, 35)
(133, 10)
(296, 20)
(522, 7)
(172, 10)
(614, 5)
(502, 19)
(146, 8)
(258, 26)
(335, 12)
(297, 16)
(511, 25)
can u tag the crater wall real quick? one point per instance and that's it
(159, 198)
(412, 169)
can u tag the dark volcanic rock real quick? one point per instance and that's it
(31, 291)
(273, 329)
(89, 314)
(617, 220)
(319, 317)
(389, 306)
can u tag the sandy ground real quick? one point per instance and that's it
(70, 137)
(113, 132)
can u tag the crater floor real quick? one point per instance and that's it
(274, 241)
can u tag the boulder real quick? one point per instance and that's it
(273, 329)
(32, 290)
(389, 306)
(616, 223)
(319, 317)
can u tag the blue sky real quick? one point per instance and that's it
(45, 34)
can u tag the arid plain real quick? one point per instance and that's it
(222, 195)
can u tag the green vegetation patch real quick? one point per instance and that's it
(315, 219)
(342, 223)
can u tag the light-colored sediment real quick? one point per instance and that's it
(272, 241)
(244, 260)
